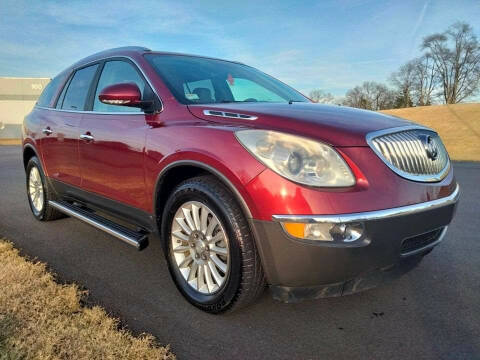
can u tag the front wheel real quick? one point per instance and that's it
(39, 193)
(209, 247)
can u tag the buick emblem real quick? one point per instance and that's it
(430, 146)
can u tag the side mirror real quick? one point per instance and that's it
(124, 94)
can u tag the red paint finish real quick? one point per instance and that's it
(385, 189)
(112, 165)
(335, 125)
(220, 151)
(60, 149)
(129, 93)
(129, 151)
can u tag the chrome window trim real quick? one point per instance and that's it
(372, 215)
(80, 66)
(421, 178)
(93, 112)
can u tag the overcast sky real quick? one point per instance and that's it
(332, 45)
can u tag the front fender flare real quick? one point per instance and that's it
(214, 171)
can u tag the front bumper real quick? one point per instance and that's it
(298, 269)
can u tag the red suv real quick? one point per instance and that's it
(245, 180)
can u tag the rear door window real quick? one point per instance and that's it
(50, 91)
(62, 95)
(116, 72)
(77, 92)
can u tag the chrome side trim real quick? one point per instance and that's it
(129, 240)
(435, 243)
(373, 215)
(422, 178)
(228, 114)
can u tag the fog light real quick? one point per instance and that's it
(342, 232)
(347, 232)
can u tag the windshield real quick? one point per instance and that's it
(196, 80)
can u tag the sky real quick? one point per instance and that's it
(328, 45)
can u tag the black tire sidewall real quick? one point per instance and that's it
(34, 162)
(193, 191)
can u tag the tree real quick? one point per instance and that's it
(370, 96)
(403, 80)
(425, 80)
(319, 96)
(456, 55)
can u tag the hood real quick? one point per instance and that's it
(335, 125)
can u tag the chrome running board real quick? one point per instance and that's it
(138, 239)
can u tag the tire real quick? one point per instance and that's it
(243, 280)
(36, 184)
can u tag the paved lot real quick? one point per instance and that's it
(431, 313)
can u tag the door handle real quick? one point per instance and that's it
(86, 137)
(47, 131)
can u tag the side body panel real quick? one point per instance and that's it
(60, 148)
(112, 164)
(32, 132)
(215, 147)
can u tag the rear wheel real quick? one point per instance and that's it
(39, 194)
(209, 248)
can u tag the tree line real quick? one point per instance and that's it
(448, 71)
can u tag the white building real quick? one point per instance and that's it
(17, 98)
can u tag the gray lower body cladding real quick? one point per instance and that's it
(296, 270)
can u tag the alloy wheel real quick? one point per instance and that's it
(200, 247)
(35, 189)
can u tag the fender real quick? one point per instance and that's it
(29, 145)
(214, 171)
(172, 163)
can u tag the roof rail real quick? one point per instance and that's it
(109, 52)
(132, 48)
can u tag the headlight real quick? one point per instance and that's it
(298, 159)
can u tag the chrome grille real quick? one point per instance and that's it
(413, 153)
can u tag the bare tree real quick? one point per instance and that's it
(403, 80)
(371, 96)
(425, 79)
(356, 98)
(320, 96)
(456, 55)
